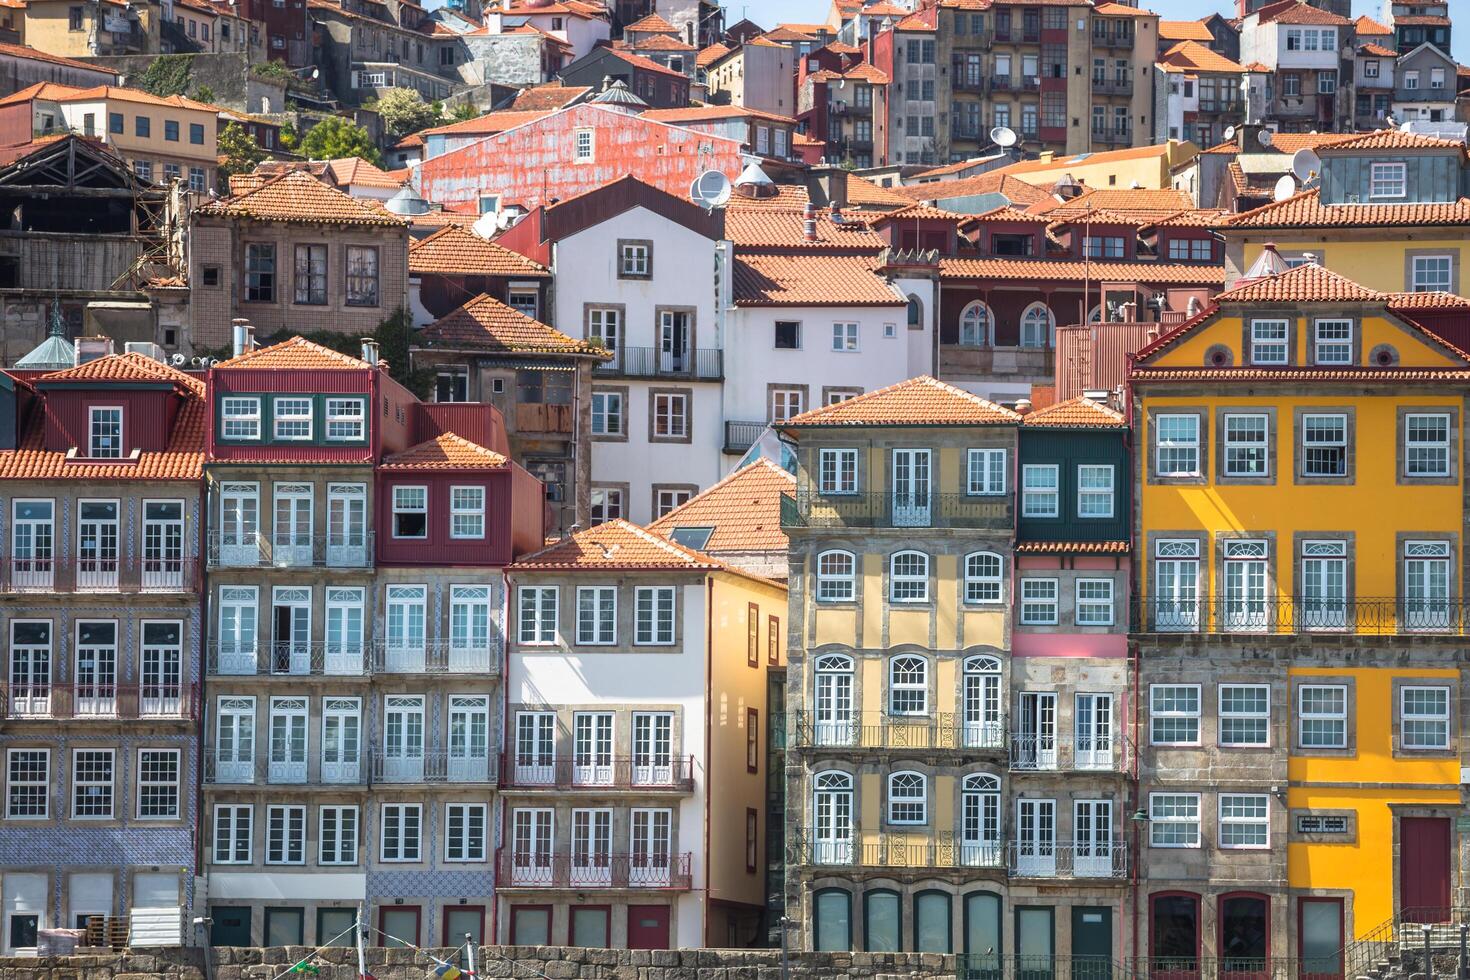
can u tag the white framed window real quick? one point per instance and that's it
(1322, 716)
(1324, 445)
(92, 773)
(1039, 601)
(1040, 492)
(986, 473)
(1094, 490)
(104, 432)
(908, 577)
(1245, 715)
(607, 413)
(585, 145)
(1432, 273)
(633, 260)
(1094, 602)
(786, 403)
(400, 832)
(1332, 341)
(411, 512)
(1427, 445)
(536, 622)
(1424, 717)
(285, 835)
(346, 419)
(908, 685)
(1245, 820)
(597, 615)
(1173, 819)
(1426, 584)
(836, 576)
(464, 832)
(844, 336)
(27, 784)
(908, 798)
(653, 615)
(1173, 711)
(983, 577)
(1247, 445)
(291, 418)
(837, 471)
(1388, 180)
(1177, 445)
(233, 834)
(1269, 341)
(337, 835)
(670, 416)
(239, 418)
(158, 784)
(466, 512)
(1037, 327)
(975, 324)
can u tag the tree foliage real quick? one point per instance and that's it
(393, 335)
(166, 75)
(335, 137)
(404, 111)
(238, 151)
(463, 111)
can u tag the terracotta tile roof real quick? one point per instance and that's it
(1420, 20)
(1379, 51)
(711, 54)
(810, 280)
(1074, 270)
(1192, 217)
(762, 42)
(770, 228)
(1008, 213)
(617, 545)
(744, 509)
(917, 22)
(34, 54)
(453, 251)
(488, 124)
(349, 171)
(1192, 54)
(544, 98)
(1073, 547)
(299, 198)
(1077, 413)
(917, 401)
(1395, 139)
(647, 64)
(810, 30)
(485, 323)
(1385, 375)
(788, 197)
(295, 354)
(1305, 284)
(1184, 30)
(652, 24)
(135, 368)
(1436, 300)
(446, 451)
(662, 42)
(1011, 188)
(840, 47)
(884, 9)
(784, 33)
(1109, 9)
(949, 168)
(867, 73)
(99, 93)
(1126, 202)
(1365, 26)
(862, 192)
(1285, 143)
(1299, 12)
(1305, 210)
(923, 212)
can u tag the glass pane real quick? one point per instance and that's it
(532, 927)
(880, 931)
(402, 925)
(283, 927)
(589, 927)
(982, 925)
(461, 921)
(1321, 936)
(931, 923)
(1033, 932)
(834, 930)
(334, 927)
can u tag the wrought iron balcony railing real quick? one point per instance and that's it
(652, 870)
(1068, 752)
(433, 766)
(304, 658)
(646, 773)
(127, 575)
(880, 730)
(1014, 858)
(435, 657)
(809, 508)
(270, 767)
(703, 364)
(113, 701)
(1302, 614)
(261, 550)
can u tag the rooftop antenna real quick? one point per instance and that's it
(1285, 187)
(710, 190)
(1003, 137)
(1265, 137)
(1306, 165)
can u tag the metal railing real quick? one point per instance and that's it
(306, 658)
(1233, 968)
(740, 436)
(1297, 614)
(1402, 944)
(434, 657)
(1044, 859)
(654, 870)
(290, 550)
(880, 730)
(69, 575)
(996, 966)
(623, 773)
(268, 767)
(704, 363)
(1112, 86)
(1002, 83)
(1013, 858)
(126, 701)
(433, 766)
(1068, 752)
(808, 508)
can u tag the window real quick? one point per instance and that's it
(466, 512)
(788, 335)
(752, 740)
(1178, 445)
(1040, 494)
(1103, 247)
(399, 834)
(1432, 273)
(1326, 82)
(1388, 180)
(1245, 714)
(1191, 249)
(1370, 69)
(908, 685)
(1427, 445)
(464, 832)
(607, 504)
(773, 641)
(158, 784)
(143, 168)
(1173, 714)
(260, 272)
(844, 336)
(654, 615)
(752, 635)
(835, 576)
(171, 172)
(584, 145)
(285, 835)
(311, 275)
(837, 471)
(1324, 445)
(1039, 601)
(196, 134)
(1247, 445)
(635, 260)
(1332, 341)
(1173, 819)
(337, 835)
(291, 418)
(986, 472)
(240, 418)
(787, 403)
(975, 325)
(670, 416)
(1424, 714)
(233, 827)
(114, 119)
(1094, 491)
(346, 419)
(28, 784)
(527, 301)
(142, 127)
(666, 499)
(1269, 341)
(983, 577)
(607, 413)
(1245, 820)
(91, 784)
(907, 800)
(171, 127)
(908, 577)
(410, 512)
(1322, 716)
(597, 614)
(1094, 602)
(1036, 326)
(362, 276)
(537, 619)
(104, 433)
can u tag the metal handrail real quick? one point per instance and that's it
(261, 550)
(1380, 616)
(111, 701)
(618, 772)
(810, 508)
(1067, 751)
(653, 870)
(880, 730)
(297, 658)
(703, 363)
(106, 575)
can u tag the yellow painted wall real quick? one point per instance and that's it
(1150, 170)
(1375, 264)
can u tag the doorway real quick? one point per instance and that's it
(1424, 868)
(1092, 943)
(1173, 931)
(1245, 933)
(648, 927)
(464, 920)
(231, 926)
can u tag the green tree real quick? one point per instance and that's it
(167, 74)
(404, 111)
(335, 137)
(239, 152)
(463, 111)
(393, 335)
(289, 138)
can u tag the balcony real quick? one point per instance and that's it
(972, 84)
(434, 657)
(652, 870)
(1031, 83)
(638, 774)
(1113, 39)
(100, 702)
(1002, 83)
(268, 768)
(1045, 859)
(104, 575)
(314, 658)
(923, 852)
(1068, 753)
(1113, 136)
(701, 364)
(1298, 615)
(432, 766)
(256, 550)
(1112, 86)
(879, 730)
(740, 436)
(884, 510)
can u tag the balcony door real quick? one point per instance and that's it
(33, 545)
(982, 721)
(237, 624)
(833, 701)
(234, 740)
(346, 524)
(1034, 744)
(405, 618)
(980, 821)
(1244, 608)
(97, 545)
(1036, 837)
(341, 740)
(675, 353)
(592, 742)
(910, 487)
(290, 630)
(531, 843)
(163, 545)
(96, 675)
(291, 530)
(832, 813)
(30, 669)
(535, 746)
(591, 847)
(653, 748)
(469, 739)
(1092, 716)
(649, 858)
(344, 648)
(1176, 586)
(1092, 838)
(239, 524)
(288, 740)
(160, 693)
(403, 739)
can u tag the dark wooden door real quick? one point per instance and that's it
(648, 927)
(1424, 868)
(1092, 943)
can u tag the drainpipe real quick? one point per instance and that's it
(709, 666)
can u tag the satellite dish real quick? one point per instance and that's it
(1265, 137)
(1229, 133)
(177, 359)
(1003, 136)
(1285, 187)
(1306, 164)
(504, 219)
(710, 190)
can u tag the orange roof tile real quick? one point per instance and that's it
(1185, 30)
(1126, 202)
(764, 227)
(923, 212)
(949, 168)
(810, 280)
(865, 72)
(1416, 20)
(1365, 26)
(1395, 139)
(917, 401)
(34, 54)
(1073, 547)
(1287, 143)
(1309, 283)
(617, 545)
(744, 509)
(884, 9)
(784, 33)
(1077, 413)
(652, 24)
(1192, 217)
(1306, 210)
(711, 54)
(294, 354)
(486, 125)
(1007, 213)
(350, 171)
(1300, 12)
(135, 368)
(485, 323)
(1192, 54)
(662, 42)
(1437, 300)
(454, 251)
(113, 92)
(916, 22)
(299, 198)
(1076, 270)
(543, 98)
(1378, 51)
(446, 451)
(1109, 9)
(1013, 189)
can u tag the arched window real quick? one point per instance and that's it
(908, 577)
(975, 323)
(982, 577)
(916, 312)
(908, 685)
(983, 931)
(932, 922)
(832, 700)
(832, 920)
(1037, 326)
(835, 576)
(1096, 315)
(832, 818)
(882, 921)
(980, 821)
(908, 798)
(983, 727)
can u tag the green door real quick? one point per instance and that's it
(230, 926)
(1092, 943)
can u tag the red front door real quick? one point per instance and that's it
(1424, 868)
(648, 927)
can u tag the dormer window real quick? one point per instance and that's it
(292, 418)
(1388, 180)
(104, 433)
(346, 419)
(240, 418)
(1269, 341)
(410, 512)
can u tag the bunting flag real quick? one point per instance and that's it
(305, 967)
(444, 970)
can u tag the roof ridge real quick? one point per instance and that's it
(294, 341)
(723, 481)
(925, 380)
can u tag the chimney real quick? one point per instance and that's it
(91, 348)
(1023, 406)
(809, 228)
(370, 351)
(241, 336)
(837, 217)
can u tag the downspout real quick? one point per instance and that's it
(500, 781)
(1138, 804)
(709, 667)
(199, 707)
